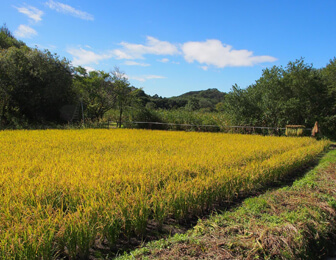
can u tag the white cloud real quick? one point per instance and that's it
(89, 69)
(141, 79)
(32, 12)
(134, 63)
(85, 57)
(153, 46)
(213, 52)
(208, 53)
(146, 77)
(164, 60)
(121, 55)
(24, 31)
(67, 9)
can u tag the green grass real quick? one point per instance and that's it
(294, 222)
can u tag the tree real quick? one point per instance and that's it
(193, 104)
(308, 99)
(34, 84)
(329, 77)
(125, 95)
(269, 94)
(8, 40)
(205, 104)
(96, 90)
(241, 106)
(101, 91)
(294, 95)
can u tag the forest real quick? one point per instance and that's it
(40, 89)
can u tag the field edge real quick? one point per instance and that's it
(297, 221)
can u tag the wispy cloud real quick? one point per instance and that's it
(152, 46)
(215, 53)
(144, 78)
(67, 9)
(32, 12)
(134, 63)
(164, 60)
(85, 57)
(121, 55)
(154, 77)
(24, 31)
(129, 52)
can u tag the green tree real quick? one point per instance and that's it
(125, 95)
(8, 40)
(205, 104)
(294, 95)
(308, 99)
(193, 104)
(329, 76)
(34, 84)
(269, 94)
(241, 107)
(96, 90)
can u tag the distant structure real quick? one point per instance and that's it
(295, 130)
(316, 130)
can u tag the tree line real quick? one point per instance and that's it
(38, 87)
(295, 95)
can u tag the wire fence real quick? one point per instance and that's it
(263, 130)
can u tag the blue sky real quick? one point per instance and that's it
(169, 47)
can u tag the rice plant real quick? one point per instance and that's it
(62, 190)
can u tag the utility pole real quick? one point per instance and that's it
(82, 111)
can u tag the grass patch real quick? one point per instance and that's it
(294, 222)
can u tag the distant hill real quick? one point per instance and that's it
(212, 94)
(192, 100)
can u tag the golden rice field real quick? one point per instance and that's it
(63, 190)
